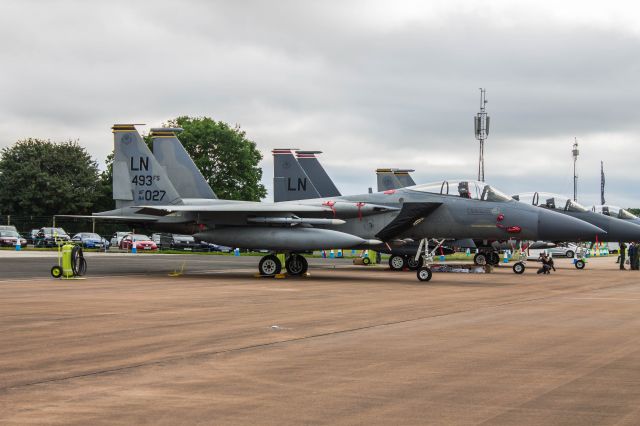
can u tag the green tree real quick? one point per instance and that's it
(40, 178)
(226, 158)
(104, 190)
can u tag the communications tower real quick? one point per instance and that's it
(481, 125)
(575, 154)
(602, 201)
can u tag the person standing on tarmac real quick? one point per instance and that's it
(631, 253)
(635, 260)
(623, 248)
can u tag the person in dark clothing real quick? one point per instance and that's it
(623, 249)
(546, 267)
(550, 263)
(631, 252)
(635, 260)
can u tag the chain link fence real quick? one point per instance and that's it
(25, 224)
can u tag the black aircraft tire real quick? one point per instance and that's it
(296, 265)
(396, 262)
(412, 264)
(569, 254)
(519, 268)
(580, 264)
(480, 259)
(494, 258)
(56, 271)
(270, 265)
(366, 261)
(424, 274)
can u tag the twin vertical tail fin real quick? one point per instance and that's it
(404, 177)
(387, 180)
(290, 182)
(394, 179)
(138, 178)
(180, 168)
(319, 177)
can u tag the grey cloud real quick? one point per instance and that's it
(323, 75)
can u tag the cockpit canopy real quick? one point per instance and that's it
(550, 201)
(614, 211)
(463, 188)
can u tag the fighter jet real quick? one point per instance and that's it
(617, 229)
(144, 193)
(617, 212)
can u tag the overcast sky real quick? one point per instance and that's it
(371, 83)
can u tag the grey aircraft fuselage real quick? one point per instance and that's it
(616, 212)
(616, 229)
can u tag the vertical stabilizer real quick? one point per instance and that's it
(403, 176)
(181, 170)
(290, 182)
(387, 180)
(316, 173)
(138, 178)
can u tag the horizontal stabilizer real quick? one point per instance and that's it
(238, 207)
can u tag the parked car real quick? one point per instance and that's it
(90, 240)
(184, 242)
(166, 241)
(142, 242)
(8, 228)
(117, 237)
(216, 247)
(32, 237)
(163, 240)
(568, 250)
(49, 237)
(9, 238)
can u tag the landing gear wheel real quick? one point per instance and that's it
(480, 259)
(570, 254)
(56, 272)
(270, 265)
(296, 265)
(412, 263)
(494, 258)
(397, 263)
(580, 264)
(424, 274)
(519, 268)
(366, 261)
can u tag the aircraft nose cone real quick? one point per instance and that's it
(553, 226)
(622, 230)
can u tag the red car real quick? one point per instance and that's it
(10, 238)
(142, 242)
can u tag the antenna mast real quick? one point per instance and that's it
(602, 202)
(481, 125)
(575, 154)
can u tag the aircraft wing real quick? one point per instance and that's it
(247, 207)
(114, 218)
(408, 217)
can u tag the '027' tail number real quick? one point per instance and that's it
(150, 195)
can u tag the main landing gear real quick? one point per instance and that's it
(295, 264)
(398, 262)
(487, 257)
